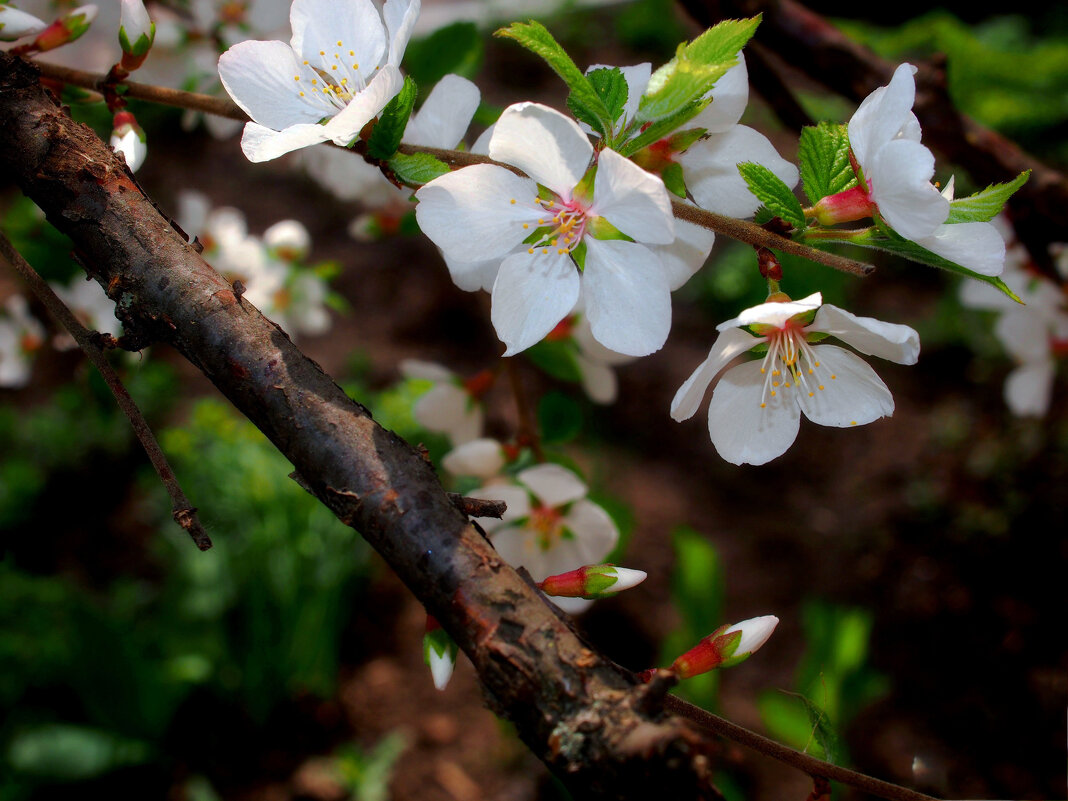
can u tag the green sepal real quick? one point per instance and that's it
(386, 135)
(695, 69)
(658, 130)
(143, 43)
(583, 101)
(824, 155)
(441, 643)
(416, 169)
(985, 205)
(773, 193)
(599, 583)
(327, 270)
(578, 254)
(683, 140)
(673, 179)
(600, 228)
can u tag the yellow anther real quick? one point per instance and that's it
(561, 251)
(821, 386)
(512, 201)
(314, 81)
(852, 422)
(339, 43)
(833, 377)
(352, 52)
(302, 94)
(774, 383)
(344, 81)
(355, 66)
(305, 62)
(773, 393)
(812, 394)
(763, 406)
(817, 364)
(296, 77)
(322, 52)
(530, 251)
(545, 250)
(775, 372)
(762, 370)
(526, 225)
(810, 371)
(334, 67)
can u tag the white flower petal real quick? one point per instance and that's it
(531, 295)
(15, 24)
(633, 200)
(259, 78)
(443, 118)
(1029, 387)
(627, 296)
(595, 533)
(686, 254)
(482, 458)
(400, 17)
(553, 484)
(711, 170)
(896, 343)
(755, 632)
(741, 431)
(544, 144)
(259, 143)
(852, 393)
(975, 245)
(731, 343)
(773, 313)
(346, 125)
(441, 668)
(470, 215)
(900, 174)
(472, 276)
(729, 98)
(428, 371)
(598, 380)
(318, 25)
(884, 114)
(1024, 334)
(449, 409)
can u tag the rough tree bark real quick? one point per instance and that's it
(601, 732)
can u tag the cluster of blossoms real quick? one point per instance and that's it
(271, 268)
(1033, 334)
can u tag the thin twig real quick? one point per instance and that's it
(218, 106)
(736, 229)
(528, 432)
(809, 764)
(183, 512)
(477, 507)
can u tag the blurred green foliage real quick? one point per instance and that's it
(834, 681)
(365, 773)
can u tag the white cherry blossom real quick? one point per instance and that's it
(549, 526)
(755, 411)
(450, 407)
(486, 213)
(339, 70)
(885, 137)
(21, 336)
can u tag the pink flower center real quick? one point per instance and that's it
(564, 229)
(790, 363)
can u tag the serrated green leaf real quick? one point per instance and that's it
(763, 216)
(985, 205)
(773, 193)
(386, 135)
(456, 48)
(658, 130)
(583, 100)
(673, 179)
(611, 87)
(417, 169)
(695, 69)
(824, 155)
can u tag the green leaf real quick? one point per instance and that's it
(611, 87)
(773, 193)
(583, 101)
(658, 130)
(386, 135)
(985, 205)
(695, 69)
(673, 179)
(417, 169)
(557, 358)
(824, 156)
(559, 418)
(456, 48)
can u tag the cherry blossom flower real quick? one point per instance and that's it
(486, 212)
(1033, 334)
(549, 526)
(91, 307)
(451, 406)
(483, 458)
(593, 360)
(885, 137)
(339, 70)
(21, 336)
(755, 411)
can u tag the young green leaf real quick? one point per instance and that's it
(985, 205)
(695, 69)
(611, 87)
(661, 129)
(673, 179)
(386, 135)
(773, 193)
(820, 722)
(417, 169)
(824, 155)
(584, 101)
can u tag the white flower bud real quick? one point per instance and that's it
(136, 29)
(15, 24)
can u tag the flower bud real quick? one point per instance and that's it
(65, 29)
(136, 34)
(439, 652)
(726, 646)
(852, 204)
(15, 24)
(128, 138)
(591, 582)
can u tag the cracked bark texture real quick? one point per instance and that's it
(602, 733)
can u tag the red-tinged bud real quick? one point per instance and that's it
(592, 582)
(439, 652)
(128, 138)
(852, 204)
(479, 384)
(770, 269)
(136, 34)
(64, 30)
(725, 647)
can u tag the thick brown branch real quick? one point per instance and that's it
(183, 512)
(587, 719)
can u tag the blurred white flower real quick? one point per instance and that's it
(21, 336)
